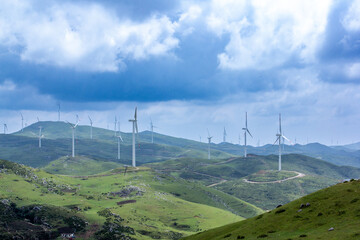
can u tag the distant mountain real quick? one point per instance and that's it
(22, 147)
(353, 146)
(61, 130)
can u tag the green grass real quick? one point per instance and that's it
(268, 176)
(156, 212)
(337, 206)
(79, 165)
(319, 174)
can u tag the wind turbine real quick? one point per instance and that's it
(38, 119)
(58, 112)
(40, 136)
(115, 125)
(209, 142)
(119, 138)
(5, 128)
(246, 130)
(280, 136)
(225, 134)
(91, 123)
(135, 128)
(73, 126)
(152, 130)
(22, 122)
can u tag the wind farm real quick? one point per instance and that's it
(216, 120)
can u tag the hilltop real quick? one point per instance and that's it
(331, 213)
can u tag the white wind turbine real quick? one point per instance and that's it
(225, 134)
(119, 138)
(280, 136)
(115, 125)
(135, 129)
(246, 130)
(58, 112)
(5, 128)
(91, 124)
(22, 122)
(209, 142)
(73, 127)
(152, 130)
(40, 136)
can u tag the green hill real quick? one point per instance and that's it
(161, 207)
(229, 176)
(24, 149)
(332, 213)
(79, 165)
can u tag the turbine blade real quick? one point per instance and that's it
(208, 132)
(136, 127)
(249, 132)
(71, 125)
(135, 116)
(245, 119)
(280, 122)
(277, 139)
(121, 138)
(287, 139)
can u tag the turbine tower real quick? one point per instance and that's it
(225, 134)
(91, 123)
(22, 122)
(152, 130)
(115, 125)
(73, 126)
(58, 112)
(246, 130)
(40, 136)
(209, 142)
(280, 137)
(5, 128)
(119, 138)
(135, 129)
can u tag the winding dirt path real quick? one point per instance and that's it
(299, 175)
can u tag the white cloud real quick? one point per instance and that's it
(85, 37)
(353, 71)
(264, 34)
(351, 20)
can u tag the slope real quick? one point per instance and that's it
(331, 213)
(229, 176)
(151, 203)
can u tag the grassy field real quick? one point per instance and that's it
(79, 166)
(336, 207)
(163, 207)
(268, 176)
(232, 172)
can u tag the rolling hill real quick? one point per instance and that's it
(60, 131)
(331, 213)
(153, 204)
(22, 147)
(229, 176)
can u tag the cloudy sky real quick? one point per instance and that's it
(188, 65)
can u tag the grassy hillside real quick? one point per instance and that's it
(229, 175)
(79, 166)
(161, 206)
(336, 207)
